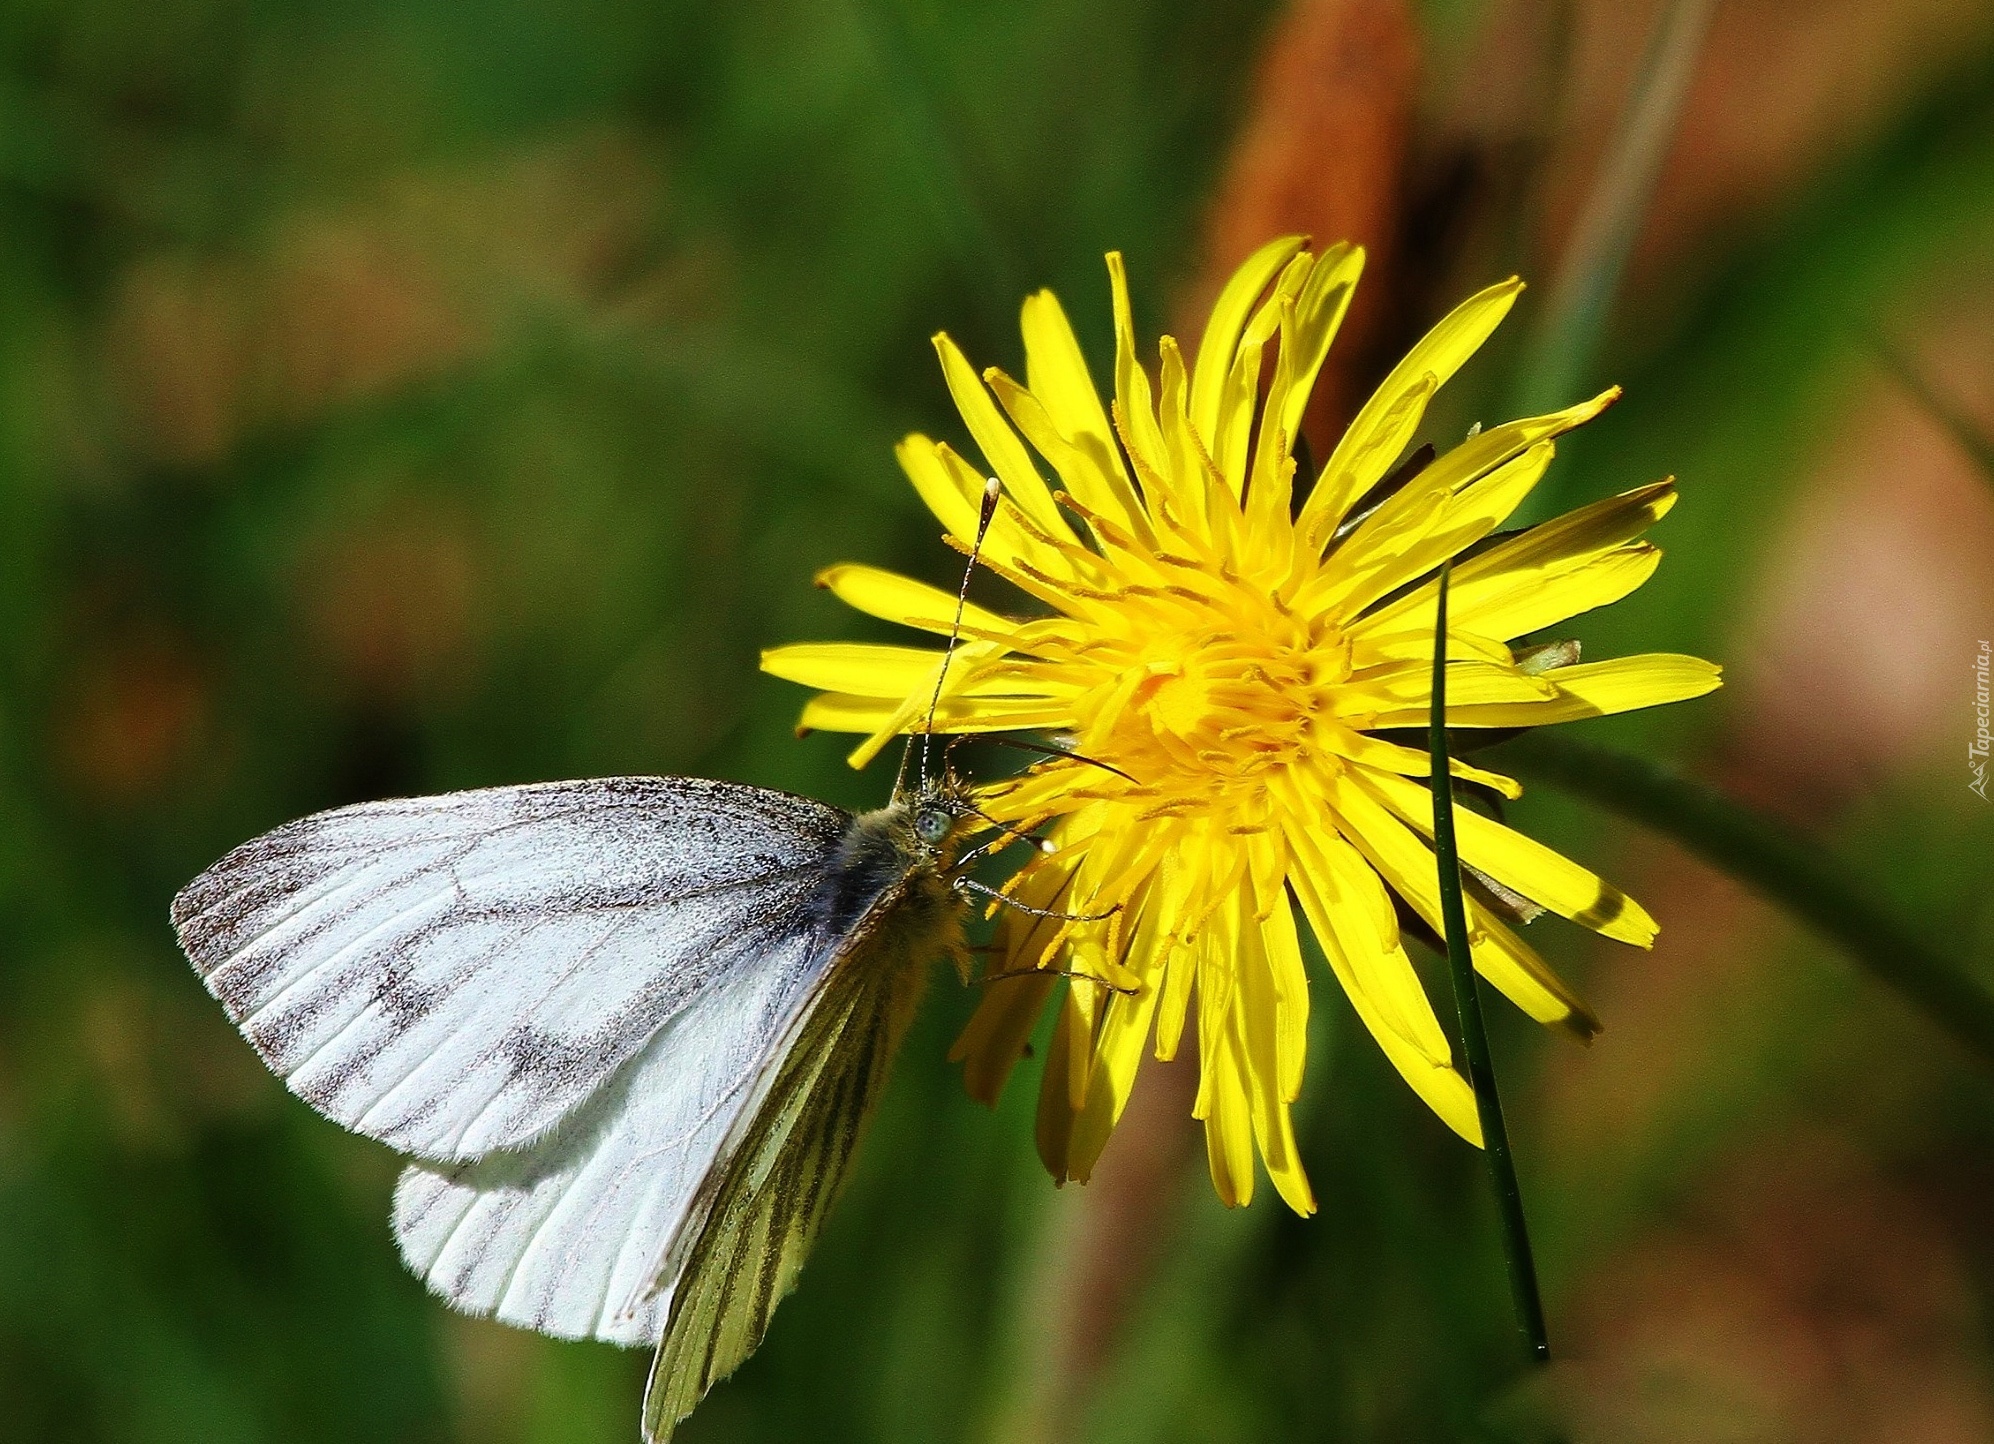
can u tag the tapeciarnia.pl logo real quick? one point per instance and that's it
(1976, 750)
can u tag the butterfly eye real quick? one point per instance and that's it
(932, 824)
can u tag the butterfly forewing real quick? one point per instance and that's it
(454, 975)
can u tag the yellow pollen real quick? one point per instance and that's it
(1216, 693)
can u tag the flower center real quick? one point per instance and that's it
(1220, 693)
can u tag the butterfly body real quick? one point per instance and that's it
(629, 1031)
(884, 865)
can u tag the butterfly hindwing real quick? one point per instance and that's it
(565, 1236)
(455, 975)
(740, 1251)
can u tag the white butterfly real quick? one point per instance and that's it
(629, 1030)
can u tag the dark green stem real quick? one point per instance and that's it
(1468, 1000)
(1787, 869)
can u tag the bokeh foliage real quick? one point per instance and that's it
(399, 398)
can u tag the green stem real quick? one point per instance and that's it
(1785, 868)
(1468, 1000)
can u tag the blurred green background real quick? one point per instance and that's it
(396, 398)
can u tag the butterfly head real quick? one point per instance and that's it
(938, 813)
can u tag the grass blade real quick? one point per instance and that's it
(1561, 350)
(1468, 1000)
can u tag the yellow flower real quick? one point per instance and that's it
(1235, 664)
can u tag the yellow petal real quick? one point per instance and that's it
(1259, 1040)
(1056, 371)
(1353, 900)
(1291, 988)
(1124, 1029)
(924, 710)
(1598, 689)
(1520, 565)
(920, 457)
(1053, 1132)
(1134, 405)
(1384, 553)
(1270, 480)
(953, 491)
(1082, 470)
(1228, 1116)
(1228, 319)
(843, 712)
(1386, 423)
(895, 598)
(1478, 455)
(1524, 606)
(1180, 893)
(866, 670)
(1239, 401)
(1319, 313)
(1367, 750)
(1595, 528)
(1085, 1004)
(1371, 456)
(1438, 1083)
(1403, 688)
(1058, 379)
(855, 667)
(1187, 489)
(1308, 327)
(1408, 864)
(1376, 649)
(1118, 1055)
(1521, 862)
(999, 443)
(1521, 976)
(1175, 1002)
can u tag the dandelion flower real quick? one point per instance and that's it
(1234, 658)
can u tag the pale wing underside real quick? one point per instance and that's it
(740, 1252)
(453, 975)
(567, 1237)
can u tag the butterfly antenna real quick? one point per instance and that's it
(985, 515)
(900, 773)
(1005, 835)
